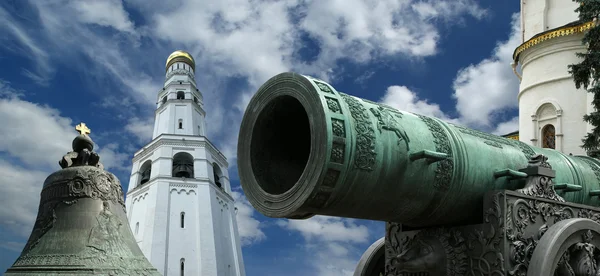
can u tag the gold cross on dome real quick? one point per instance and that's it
(82, 129)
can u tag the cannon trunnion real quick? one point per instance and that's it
(456, 201)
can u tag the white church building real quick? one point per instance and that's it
(179, 202)
(551, 109)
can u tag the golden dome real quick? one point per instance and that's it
(181, 56)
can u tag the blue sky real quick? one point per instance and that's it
(101, 62)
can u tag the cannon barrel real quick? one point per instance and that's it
(305, 148)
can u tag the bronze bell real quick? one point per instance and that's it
(81, 226)
(183, 165)
(182, 169)
(145, 176)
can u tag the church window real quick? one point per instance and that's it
(183, 165)
(180, 95)
(177, 65)
(182, 219)
(164, 99)
(137, 227)
(195, 100)
(145, 171)
(217, 175)
(549, 137)
(180, 124)
(182, 266)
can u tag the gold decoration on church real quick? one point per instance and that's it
(514, 137)
(554, 34)
(82, 129)
(181, 56)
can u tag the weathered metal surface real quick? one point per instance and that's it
(570, 247)
(81, 227)
(520, 235)
(372, 262)
(306, 149)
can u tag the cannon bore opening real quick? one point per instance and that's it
(280, 145)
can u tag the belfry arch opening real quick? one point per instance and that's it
(183, 165)
(145, 171)
(180, 95)
(217, 174)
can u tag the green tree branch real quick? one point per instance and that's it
(587, 73)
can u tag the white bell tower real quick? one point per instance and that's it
(179, 202)
(551, 109)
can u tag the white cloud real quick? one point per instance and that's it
(252, 40)
(216, 31)
(69, 38)
(112, 158)
(20, 196)
(108, 13)
(36, 135)
(481, 91)
(13, 246)
(249, 228)
(141, 128)
(489, 86)
(447, 9)
(402, 98)
(331, 242)
(28, 47)
(335, 259)
(326, 228)
(507, 127)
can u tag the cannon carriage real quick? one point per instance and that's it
(456, 201)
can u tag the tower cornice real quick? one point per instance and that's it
(178, 183)
(197, 106)
(568, 29)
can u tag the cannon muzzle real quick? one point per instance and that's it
(305, 148)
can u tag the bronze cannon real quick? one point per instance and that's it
(475, 201)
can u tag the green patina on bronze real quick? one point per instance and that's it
(81, 226)
(367, 160)
(365, 134)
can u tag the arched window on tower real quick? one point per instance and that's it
(164, 100)
(195, 99)
(182, 266)
(180, 124)
(183, 165)
(180, 95)
(217, 173)
(145, 171)
(182, 219)
(549, 137)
